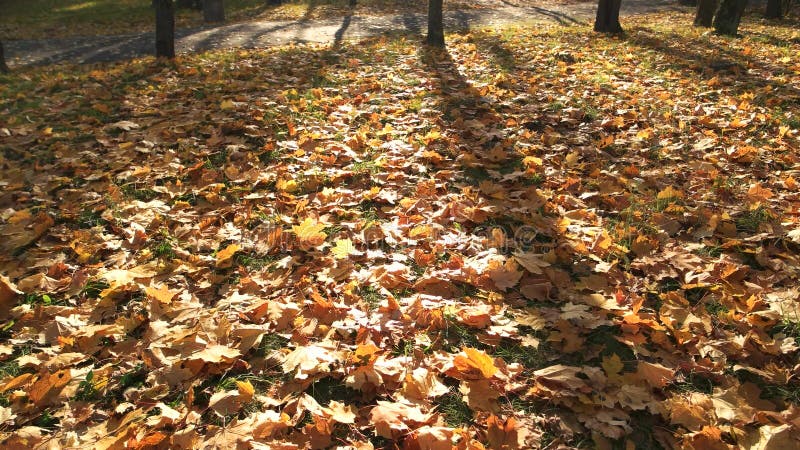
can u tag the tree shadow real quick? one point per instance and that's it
(483, 155)
(743, 73)
(339, 35)
(412, 23)
(561, 18)
(496, 49)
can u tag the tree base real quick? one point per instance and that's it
(704, 16)
(607, 20)
(729, 14)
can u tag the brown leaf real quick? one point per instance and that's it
(49, 385)
(8, 296)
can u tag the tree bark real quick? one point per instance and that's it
(705, 13)
(3, 66)
(728, 16)
(774, 9)
(435, 24)
(165, 29)
(213, 11)
(607, 19)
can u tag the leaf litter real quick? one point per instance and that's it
(541, 238)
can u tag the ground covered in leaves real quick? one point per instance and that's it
(43, 19)
(537, 239)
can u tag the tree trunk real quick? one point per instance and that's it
(607, 20)
(688, 2)
(165, 29)
(3, 66)
(705, 13)
(774, 9)
(435, 23)
(728, 16)
(274, 2)
(213, 11)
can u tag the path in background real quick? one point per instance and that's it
(262, 33)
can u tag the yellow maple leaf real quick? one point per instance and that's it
(613, 365)
(343, 249)
(246, 390)
(309, 233)
(161, 294)
(472, 360)
(669, 193)
(225, 256)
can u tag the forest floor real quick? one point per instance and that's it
(320, 24)
(542, 237)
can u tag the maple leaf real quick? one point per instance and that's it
(656, 375)
(224, 258)
(392, 419)
(613, 366)
(472, 363)
(504, 276)
(48, 385)
(502, 434)
(433, 438)
(225, 403)
(309, 233)
(422, 384)
(308, 361)
(343, 248)
(532, 262)
(161, 294)
(8, 294)
(758, 193)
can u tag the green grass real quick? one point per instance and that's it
(327, 389)
(41, 299)
(456, 412)
(751, 220)
(269, 344)
(787, 327)
(371, 296)
(93, 288)
(529, 357)
(138, 193)
(254, 262)
(163, 250)
(87, 390)
(694, 382)
(46, 421)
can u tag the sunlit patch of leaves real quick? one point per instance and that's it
(608, 123)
